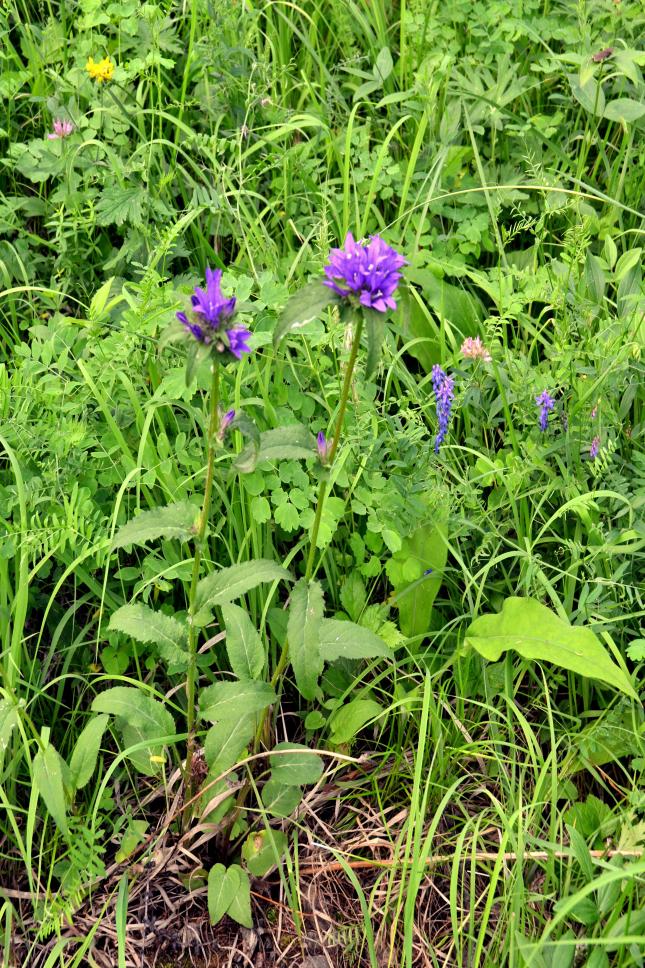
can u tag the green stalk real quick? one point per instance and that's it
(213, 426)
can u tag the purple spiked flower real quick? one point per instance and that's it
(444, 391)
(367, 270)
(323, 447)
(225, 421)
(546, 404)
(595, 447)
(210, 309)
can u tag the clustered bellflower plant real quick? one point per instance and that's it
(369, 271)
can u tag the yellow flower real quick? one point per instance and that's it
(102, 71)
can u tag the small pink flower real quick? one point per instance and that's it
(474, 349)
(61, 130)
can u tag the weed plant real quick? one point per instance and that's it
(367, 653)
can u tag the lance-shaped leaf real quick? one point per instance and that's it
(175, 521)
(230, 702)
(223, 885)
(49, 770)
(86, 751)
(243, 643)
(375, 325)
(303, 632)
(346, 640)
(141, 719)
(146, 625)
(294, 765)
(224, 586)
(533, 630)
(305, 305)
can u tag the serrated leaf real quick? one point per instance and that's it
(140, 719)
(294, 442)
(224, 745)
(146, 625)
(240, 907)
(536, 633)
(86, 750)
(303, 631)
(174, 521)
(347, 721)
(243, 643)
(346, 640)
(117, 205)
(305, 305)
(47, 771)
(223, 885)
(229, 702)
(295, 765)
(224, 586)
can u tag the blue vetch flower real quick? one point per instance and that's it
(546, 404)
(210, 310)
(367, 270)
(323, 447)
(595, 447)
(444, 391)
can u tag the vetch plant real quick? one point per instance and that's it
(444, 391)
(546, 403)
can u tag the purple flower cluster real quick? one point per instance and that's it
(546, 403)
(210, 310)
(595, 447)
(444, 391)
(367, 270)
(323, 447)
(225, 421)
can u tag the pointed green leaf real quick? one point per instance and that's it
(425, 550)
(347, 721)
(83, 761)
(224, 745)
(48, 771)
(534, 631)
(294, 442)
(279, 800)
(243, 643)
(230, 702)
(146, 625)
(295, 765)
(223, 885)
(175, 521)
(305, 305)
(303, 631)
(345, 640)
(375, 327)
(240, 907)
(624, 109)
(8, 722)
(141, 720)
(224, 586)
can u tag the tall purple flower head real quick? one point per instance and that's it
(210, 312)
(546, 403)
(368, 271)
(595, 447)
(444, 392)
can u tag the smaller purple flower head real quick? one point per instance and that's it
(444, 391)
(61, 130)
(209, 303)
(225, 421)
(367, 271)
(546, 403)
(323, 447)
(210, 310)
(594, 448)
(237, 341)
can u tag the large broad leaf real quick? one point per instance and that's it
(224, 586)
(375, 327)
(416, 573)
(624, 109)
(589, 93)
(243, 643)
(303, 632)
(231, 702)
(174, 521)
(224, 745)
(146, 625)
(240, 907)
(140, 719)
(48, 772)
(279, 800)
(346, 640)
(532, 629)
(347, 721)
(86, 751)
(461, 308)
(223, 886)
(295, 765)
(264, 850)
(293, 442)
(305, 305)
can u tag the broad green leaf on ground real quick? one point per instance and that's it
(232, 701)
(145, 625)
(141, 720)
(240, 907)
(174, 521)
(48, 772)
(303, 632)
(305, 305)
(263, 851)
(294, 765)
(536, 633)
(349, 719)
(223, 885)
(224, 586)
(243, 643)
(280, 800)
(86, 750)
(424, 551)
(346, 640)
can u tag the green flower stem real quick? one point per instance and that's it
(213, 427)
